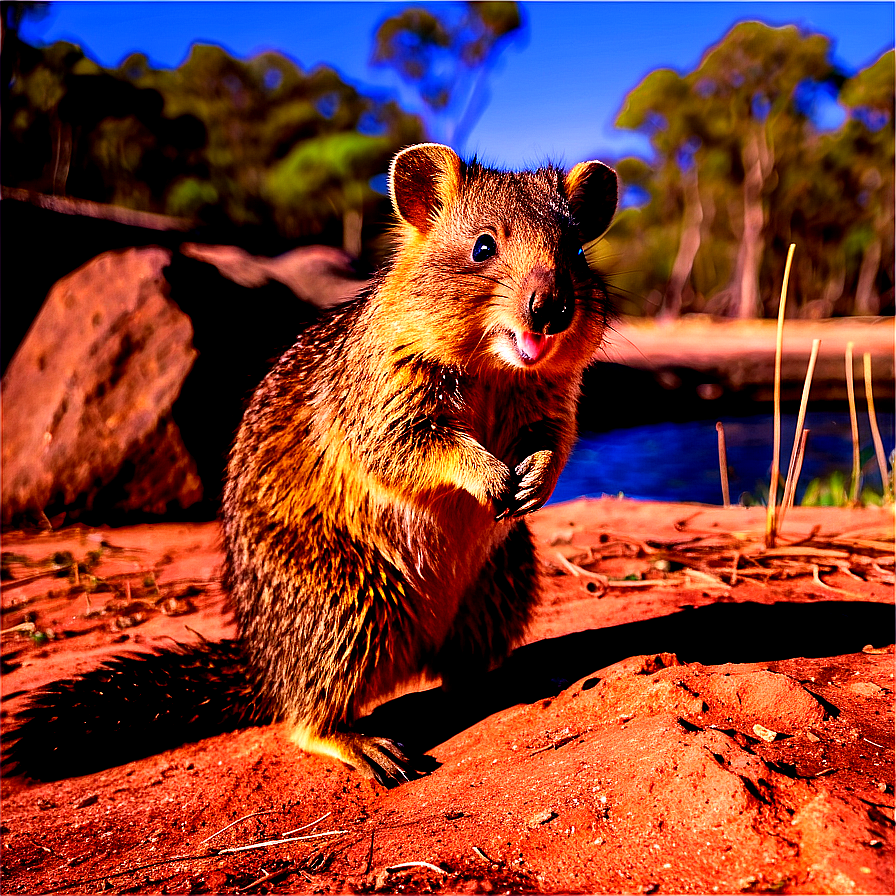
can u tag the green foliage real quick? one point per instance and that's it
(830, 491)
(740, 169)
(833, 491)
(216, 139)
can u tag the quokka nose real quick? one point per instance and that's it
(545, 311)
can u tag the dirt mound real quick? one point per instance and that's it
(666, 729)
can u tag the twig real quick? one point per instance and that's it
(310, 824)
(21, 627)
(391, 868)
(232, 849)
(577, 570)
(369, 855)
(854, 425)
(92, 880)
(211, 854)
(250, 815)
(796, 551)
(798, 443)
(875, 432)
(735, 563)
(642, 583)
(8, 586)
(483, 855)
(817, 579)
(869, 544)
(793, 475)
(270, 875)
(723, 465)
(771, 525)
(706, 579)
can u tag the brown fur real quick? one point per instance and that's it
(360, 511)
(373, 510)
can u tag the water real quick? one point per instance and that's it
(680, 461)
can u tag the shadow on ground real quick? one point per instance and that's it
(711, 635)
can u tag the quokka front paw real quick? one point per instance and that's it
(534, 480)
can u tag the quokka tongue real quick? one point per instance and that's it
(532, 345)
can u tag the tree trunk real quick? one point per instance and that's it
(867, 299)
(352, 218)
(746, 299)
(688, 246)
(832, 291)
(351, 232)
(63, 159)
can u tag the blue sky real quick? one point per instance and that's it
(556, 92)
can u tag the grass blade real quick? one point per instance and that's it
(875, 432)
(723, 465)
(854, 425)
(771, 525)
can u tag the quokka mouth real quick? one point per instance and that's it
(532, 347)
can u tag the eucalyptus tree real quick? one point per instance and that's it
(218, 138)
(868, 139)
(447, 52)
(724, 136)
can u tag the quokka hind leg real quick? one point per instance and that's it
(368, 639)
(494, 615)
(379, 758)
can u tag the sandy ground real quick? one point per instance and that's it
(740, 355)
(691, 714)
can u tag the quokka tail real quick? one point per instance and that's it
(130, 707)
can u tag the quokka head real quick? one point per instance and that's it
(493, 262)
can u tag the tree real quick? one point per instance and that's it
(448, 58)
(741, 167)
(675, 139)
(868, 138)
(218, 139)
(751, 80)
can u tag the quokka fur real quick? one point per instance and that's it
(373, 516)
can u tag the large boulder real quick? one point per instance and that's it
(87, 397)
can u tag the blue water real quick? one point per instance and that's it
(680, 461)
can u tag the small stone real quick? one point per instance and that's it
(764, 733)
(542, 818)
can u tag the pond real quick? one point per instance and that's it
(679, 461)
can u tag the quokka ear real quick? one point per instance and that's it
(593, 191)
(422, 179)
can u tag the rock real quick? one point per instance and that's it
(87, 397)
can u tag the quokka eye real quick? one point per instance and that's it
(484, 248)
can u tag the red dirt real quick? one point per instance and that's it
(670, 733)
